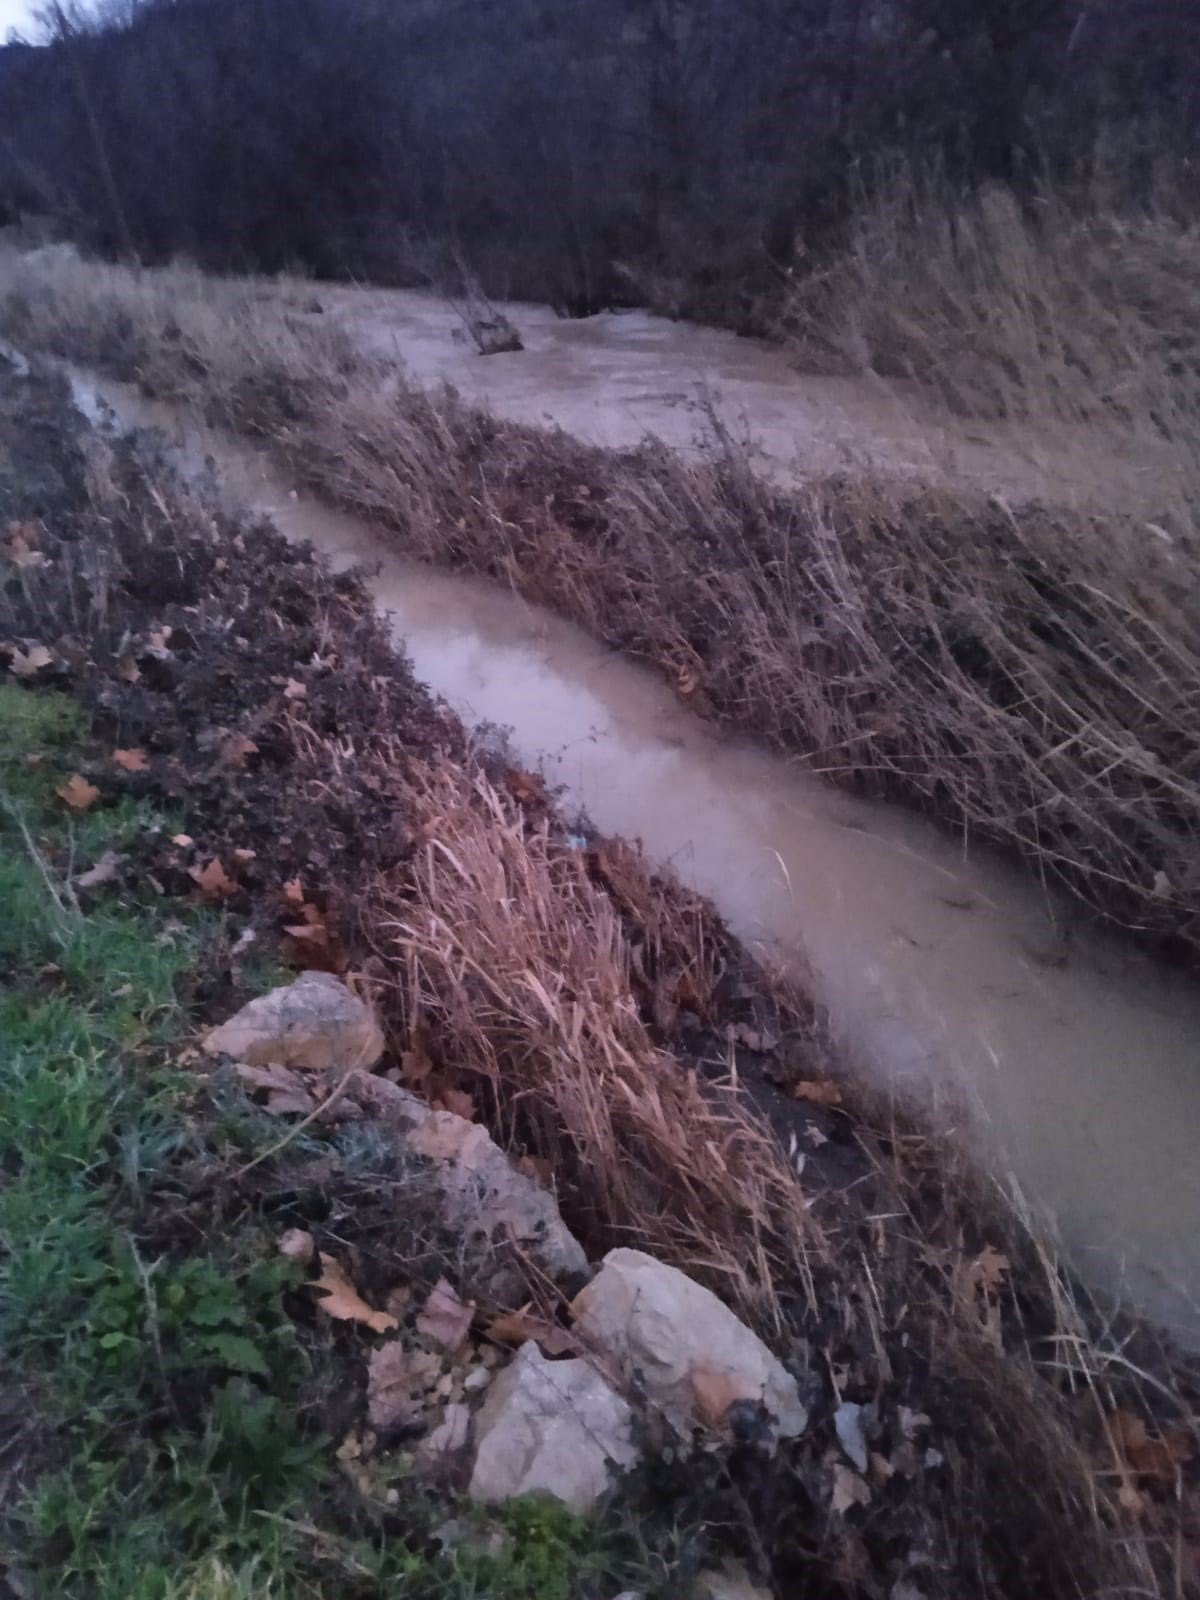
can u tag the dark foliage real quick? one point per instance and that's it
(550, 143)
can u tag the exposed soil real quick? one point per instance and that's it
(275, 721)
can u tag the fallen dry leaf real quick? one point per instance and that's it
(756, 1039)
(1157, 1458)
(234, 750)
(104, 871)
(244, 855)
(78, 793)
(21, 545)
(518, 1327)
(295, 690)
(26, 662)
(714, 1391)
(526, 787)
(158, 638)
(396, 1380)
(538, 1169)
(911, 1422)
(415, 1067)
(444, 1138)
(458, 1101)
(128, 670)
(287, 1092)
(297, 1245)
(342, 1301)
(989, 1269)
(213, 881)
(849, 1490)
(183, 840)
(293, 891)
(130, 760)
(446, 1318)
(819, 1092)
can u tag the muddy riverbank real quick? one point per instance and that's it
(948, 974)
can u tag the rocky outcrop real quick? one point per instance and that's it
(677, 1346)
(551, 1426)
(314, 1024)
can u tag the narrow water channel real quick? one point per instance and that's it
(946, 972)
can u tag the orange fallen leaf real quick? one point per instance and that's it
(242, 854)
(714, 1391)
(342, 1301)
(518, 1327)
(293, 891)
(78, 793)
(21, 548)
(213, 881)
(183, 840)
(458, 1101)
(849, 1490)
(157, 637)
(130, 760)
(989, 1269)
(235, 749)
(446, 1318)
(295, 690)
(128, 670)
(526, 787)
(415, 1067)
(1157, 1458)
(820, 1092)
(26, 662)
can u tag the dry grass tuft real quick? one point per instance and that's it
(510, 950)
(1065, 311)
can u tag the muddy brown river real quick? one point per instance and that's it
(1074, 1060)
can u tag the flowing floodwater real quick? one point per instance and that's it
(615, 377)
(944, 970)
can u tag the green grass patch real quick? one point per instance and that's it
(172, 1385)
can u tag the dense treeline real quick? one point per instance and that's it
(550, 143)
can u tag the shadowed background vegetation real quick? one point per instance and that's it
(576, 151)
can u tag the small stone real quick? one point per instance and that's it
(314, 1023)
(731, 1582)
(848, 1423)
(448, 1438)
(551, 1426)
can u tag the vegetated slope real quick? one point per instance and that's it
(590, 1009)
(1026, 676)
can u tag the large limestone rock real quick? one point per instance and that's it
(314, 1023)
(675, 1343)
(551, 1426)
(499, 1213)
